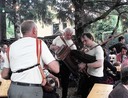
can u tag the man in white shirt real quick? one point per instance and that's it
(95, 69)
(3, 54)
(26, 77)
(64, 70)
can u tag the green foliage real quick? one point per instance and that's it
(10, 29)
(106, 25)
(39, 10)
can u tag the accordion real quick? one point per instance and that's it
(63, 52)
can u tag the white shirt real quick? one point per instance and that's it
(2, 59)
(22, 55)
(59, 42)
(99, 54)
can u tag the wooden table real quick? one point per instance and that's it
(4, 87)
(100, 91)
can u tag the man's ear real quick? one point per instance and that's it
(34, 31)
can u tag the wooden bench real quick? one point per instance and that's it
(4, 85)
(100, 91)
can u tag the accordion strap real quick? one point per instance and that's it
(65, 42)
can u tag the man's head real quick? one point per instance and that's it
(87, 39)
(4, 48)
(121, 39)
(124, 75)
(29, 29)
(68, 33)
(124, 50)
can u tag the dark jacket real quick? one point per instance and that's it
(117, 46)
(119, 92)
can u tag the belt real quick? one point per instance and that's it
(26, 84)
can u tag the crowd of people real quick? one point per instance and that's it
(3, 50)
(30, 72)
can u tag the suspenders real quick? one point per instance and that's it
(38, 52)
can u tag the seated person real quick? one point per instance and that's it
(109, 71)
(116, 48)
(122, 56)
(121, 90)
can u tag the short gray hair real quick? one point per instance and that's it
(68, 30)
(27, 26)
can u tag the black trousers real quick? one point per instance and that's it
(86, 83)
(52, 94)
(64, 78)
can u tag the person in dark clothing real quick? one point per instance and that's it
(109, 72)
(121, 90)
(116, 48)
(52, 94)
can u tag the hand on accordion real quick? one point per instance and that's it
(82, 67)
(56, 47)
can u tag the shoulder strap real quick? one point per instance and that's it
(38, 52)
(65, 42)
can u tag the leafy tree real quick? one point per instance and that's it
(43, 10)
(106, 25)
(90, 11)
(65, 10)
(86, 13)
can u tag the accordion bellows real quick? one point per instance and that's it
(63, 52)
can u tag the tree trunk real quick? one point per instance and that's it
(78, 4)
(78, 12)
(16, 19)
(2, 21)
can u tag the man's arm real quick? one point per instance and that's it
(96, 64)
(54, 47)
(5, 73)
(54, 66)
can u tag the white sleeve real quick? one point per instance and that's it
(55, 40)
(99, 53)
(46, 54)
